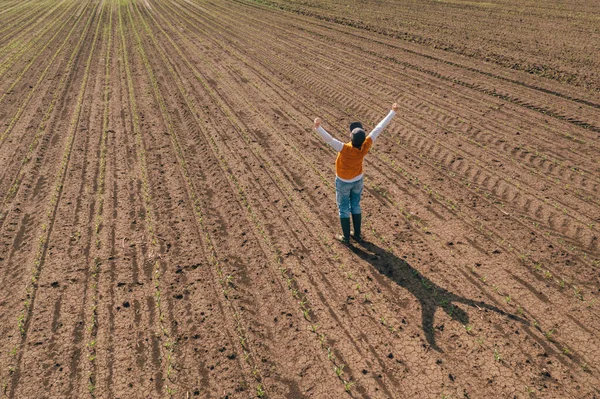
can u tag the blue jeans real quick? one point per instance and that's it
(348, 197)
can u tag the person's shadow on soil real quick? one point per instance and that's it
(430, 295)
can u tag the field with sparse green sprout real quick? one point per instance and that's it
(167, 213)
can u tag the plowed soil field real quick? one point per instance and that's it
(167, 214)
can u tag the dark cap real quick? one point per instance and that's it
(358, 137)
(354, 125)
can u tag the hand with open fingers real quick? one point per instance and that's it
(317, 123)
(395, 107)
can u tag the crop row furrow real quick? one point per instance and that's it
(252, 213)
(26, 12)
(497, 196)
(28, 213)
(73, 237)
(385, 72)
(242, 328)
(24, 319)
(523, 156)
(313, 87)
(408, 153)
(23, 49)
(263, 162)
(296, 203)
(23, 71)
(516, 85)
(451, 204)
(95, 258)
(126, 311)
(511, 194)
(379, 72)
(154, 257)
(31, 13)
(33, 149)
(227, 282)
(588, 226)
(378, 33)
(10, 7)
(9, 215)
(167, 213)
(541, 124)
(15, 6)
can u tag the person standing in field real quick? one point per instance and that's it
(349, 171)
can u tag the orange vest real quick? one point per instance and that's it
(349, 161)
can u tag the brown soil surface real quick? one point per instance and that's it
(168, 215)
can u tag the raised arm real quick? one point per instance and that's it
(334, 143)
(382, 125)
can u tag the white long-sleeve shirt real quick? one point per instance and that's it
(338, 145)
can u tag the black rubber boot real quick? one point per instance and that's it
(356, 221)
(345, 238)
